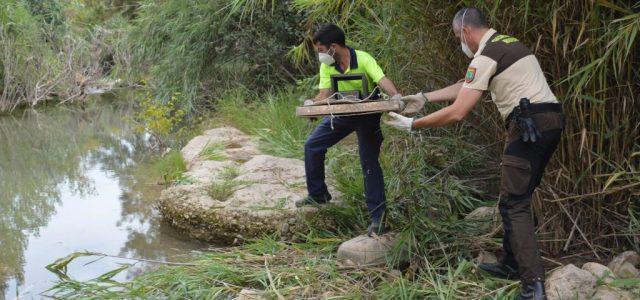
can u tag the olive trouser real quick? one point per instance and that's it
(522, 167)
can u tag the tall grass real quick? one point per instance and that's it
(169, 167)
(279, 270)
(269, 116)
(201, 48)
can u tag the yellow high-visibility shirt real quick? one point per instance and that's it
(361, 63)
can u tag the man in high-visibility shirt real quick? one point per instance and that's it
(337, 58)
(534, 120)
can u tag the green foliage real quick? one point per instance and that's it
(222, 190)
(272, 119)
(213, 152)
(49, 10)
(170, 167)
(161, 119)
(291, 271)
(47, 53)
(229, 172)
(202, 47)
(25, 53)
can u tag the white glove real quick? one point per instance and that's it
(400, 122)
(397, 96)
(308, 102)
(413, 103)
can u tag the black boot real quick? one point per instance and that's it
(500, 270)
(313, 200)
(532, 291)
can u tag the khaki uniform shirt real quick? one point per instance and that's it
(507, 68)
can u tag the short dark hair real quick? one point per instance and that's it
(328, 34)
(472, 17)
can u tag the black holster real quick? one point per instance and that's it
(529, 132)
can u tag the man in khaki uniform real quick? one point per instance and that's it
(534, 121)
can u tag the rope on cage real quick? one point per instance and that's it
(350, 99)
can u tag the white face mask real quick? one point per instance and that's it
(327, 58)
(463, 43)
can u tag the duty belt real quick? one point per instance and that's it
(534, 108)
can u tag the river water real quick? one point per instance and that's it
(73, 179)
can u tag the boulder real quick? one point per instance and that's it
(367, 251)
(570, 282)
(604, 292)
(244, 195)
(624, 265)
(232, 142)
(626, 270)
(484, 213)
(599, 271)
(631, 257)
(485, 257)
(487, 217)
(243, 153)
(250, 294)
(250, 210)
(273, 170)
(208, 170)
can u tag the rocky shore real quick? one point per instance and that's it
(232, 192)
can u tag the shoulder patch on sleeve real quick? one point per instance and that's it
(471, 74)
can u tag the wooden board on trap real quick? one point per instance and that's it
(349, 108)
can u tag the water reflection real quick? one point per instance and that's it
(69, 181)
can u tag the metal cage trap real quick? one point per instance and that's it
(350, 103)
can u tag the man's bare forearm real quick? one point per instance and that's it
(387, 85)
(322, 95)
(445, 94)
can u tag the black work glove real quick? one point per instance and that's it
(530, 132)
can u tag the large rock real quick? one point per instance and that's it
(624, 265)
(599, 271)
(208, 171)
(488, 219)
(245, 195)
(626, 270)
(250, 294)
(368, 251)
(570, 282)
(273, 170)
(604, 292)
(484, 213)
(485, 257)
(236, 145)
